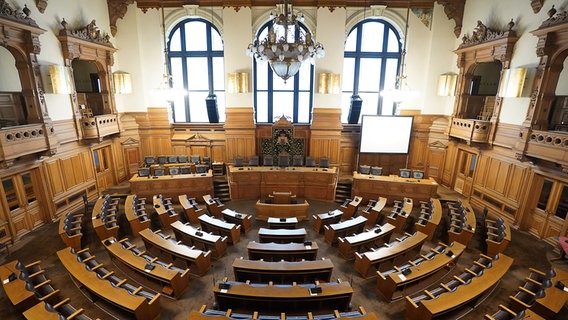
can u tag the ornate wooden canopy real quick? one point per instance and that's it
(453, 8)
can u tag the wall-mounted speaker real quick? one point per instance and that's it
(212, 111)
(354, 109)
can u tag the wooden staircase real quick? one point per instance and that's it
(343, 190)
(221, 188)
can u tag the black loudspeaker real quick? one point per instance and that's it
(354, 109)
(212, 111)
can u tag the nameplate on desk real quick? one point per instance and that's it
(315, 290)
(402, 277)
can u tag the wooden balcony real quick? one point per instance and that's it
(23, 140)
(98, 127)
(470, 130)
(548, 145)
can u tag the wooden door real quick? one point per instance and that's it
(103, 167)
(465, 170)
(21, 204)
(550, 212)
(132, 160)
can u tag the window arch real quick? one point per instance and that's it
(195, 52)
(371, 64)
(273, 97)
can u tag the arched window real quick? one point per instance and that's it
(274, 98)
(195, 51)
(371, 64)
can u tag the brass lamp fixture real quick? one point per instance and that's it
(287, 45)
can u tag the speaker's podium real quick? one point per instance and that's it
(281, 197)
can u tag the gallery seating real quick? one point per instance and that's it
(282, 272)
(282, 251)
(191, 208)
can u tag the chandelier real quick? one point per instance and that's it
(287, 45)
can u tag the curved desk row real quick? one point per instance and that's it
(282, 251)
(282, 272)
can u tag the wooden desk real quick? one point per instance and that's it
(373, 209)
(304, 182)
(167, 279)
(344, 228)
(137, 305)
(282, 223)
(20, 298)
(325, 219)
(387, 256)
(197, 185)
(282, 235)
(462, 295)
(428, 226)
(398, 220)
(277, 299)
(70, 232)
(39, 312)
(282, 272)
(191, 236)
(554, 300)
(220, 227)
(350, 208)
(493, 246)
(166, 213)
(197, 260)
(214, 206)
(393, 187)
(137, 218)
(210, 314)
(191, 208)
(244, 220)
(267, 210)
(395, 285)
(102, 229)
(364, 241)
(282, 251)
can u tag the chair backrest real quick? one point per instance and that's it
(172, 159)
(149, 160)
(162, 159)
(253, 161)
(377, 171)
(159, 171)
(239, 161)
(298, 161)
(201, 168)
(194, 158)
(364, 169)
(324, 162)
(173, 170)
(185, 170)
(267, 160)
(310, 162)
(206, 160)
(143, 172)
(283, 160)
(183, 159)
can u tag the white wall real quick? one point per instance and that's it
(9, 81)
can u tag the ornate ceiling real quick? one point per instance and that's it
(453, 8)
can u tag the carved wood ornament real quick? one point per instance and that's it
(41, 5)
(536, 5)
(116, 10)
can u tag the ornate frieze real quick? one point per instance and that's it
(481, 33)
(21, 16)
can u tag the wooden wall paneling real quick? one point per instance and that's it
(240, 133)
(55, 177)
(437, 146)
(349, 149)
(450, 164)
(130, 144)
(325, 137)
(506, 135)
(66, 131)
(88, 165)
(118, 163)
(155, 131)
(132, 160)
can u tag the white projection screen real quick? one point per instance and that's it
(385, 134)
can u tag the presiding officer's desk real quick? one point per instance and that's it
(284, 298)
(171, 186)
(393, 187)
(282, 272)
(282, 251)
(304, 182)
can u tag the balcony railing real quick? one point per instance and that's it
(470, 130)
(548, 145)
(23, 140)
(98, 127)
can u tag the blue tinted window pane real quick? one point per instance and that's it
(216, 41)
(218, 74)
(195, 36)
(198, 74)
(283, 104)
(351, 42)
(175, 41)
(372, 37)
(370, 103)
(304, 107)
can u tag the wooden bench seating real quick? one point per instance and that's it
(283, 298)
(498, 236)
(344, 228)
(325, 219)
(210, 314)
(192, 236)
(155, 274)
(165, 210)
(104, 217)
(371, 238)
(281, 235)
(266, 210)
(244, 220)
(400, 213)
(103, 284)
(214, 206)
(462, 222)
(385, 257)
(460, 295)
(349, 207)
(282, 251)
(70, 229)
(430, 217)
(191, 208)
(418, 273)
(282, 272)
(220, 227)
(505, 313)
(180, 255)
(57, 311)
(135, 212)
(373, 210)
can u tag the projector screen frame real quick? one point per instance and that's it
(407, 134)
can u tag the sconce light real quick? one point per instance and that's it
(512, 82)
(61, 80)
(122, 82)
(238, 82)
(329, 83)
(447, 84)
